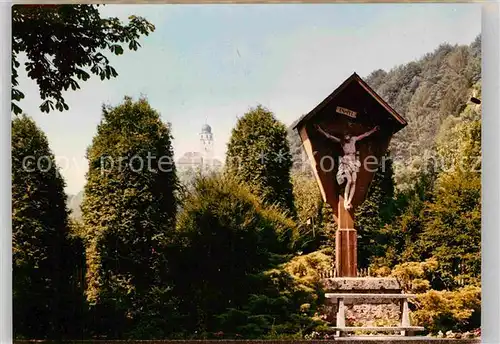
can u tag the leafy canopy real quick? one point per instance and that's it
(67, 43)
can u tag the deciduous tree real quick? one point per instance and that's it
(67, 43)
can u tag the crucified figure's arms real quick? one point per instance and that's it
(330, 136)
(368, 133)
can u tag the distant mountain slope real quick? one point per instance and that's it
(74, 202)
(424, 92)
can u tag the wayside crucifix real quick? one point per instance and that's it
(348, 163)
(348, 116)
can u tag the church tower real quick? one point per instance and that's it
(206, 141)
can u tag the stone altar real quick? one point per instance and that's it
(369, 310)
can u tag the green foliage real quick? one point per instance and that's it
(287, 303)
(414, 277)
(453, 146)
(400, 237)
(66, 43)
(46, 258)
(306, 268)
(458, 310)
(307, 197)
(129, 209)
(452, 232)
(231, 245)
(258, 154)
(441, 215)
(374, 213)
(315, 218)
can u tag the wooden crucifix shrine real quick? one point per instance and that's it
(346, 137)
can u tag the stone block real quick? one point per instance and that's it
(361, 285)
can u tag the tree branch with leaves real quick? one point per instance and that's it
(65, 44)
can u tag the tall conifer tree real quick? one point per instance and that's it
(129, 208)
(45, 257)
(258, 154)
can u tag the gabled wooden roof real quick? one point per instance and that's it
(353, 78)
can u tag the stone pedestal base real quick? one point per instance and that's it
(360, 285)
(363, 312)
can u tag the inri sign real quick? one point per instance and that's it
(346, 112)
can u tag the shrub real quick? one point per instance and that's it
(228, 238)
(458, 310)
(411, 275)
(438, 310)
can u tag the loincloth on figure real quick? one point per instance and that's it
(347, 166)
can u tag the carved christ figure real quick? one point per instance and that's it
(349, 164)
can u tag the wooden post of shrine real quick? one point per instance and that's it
(346, 248)
(351, 126)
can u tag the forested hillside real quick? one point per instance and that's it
(74, 202)
(425, 92)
